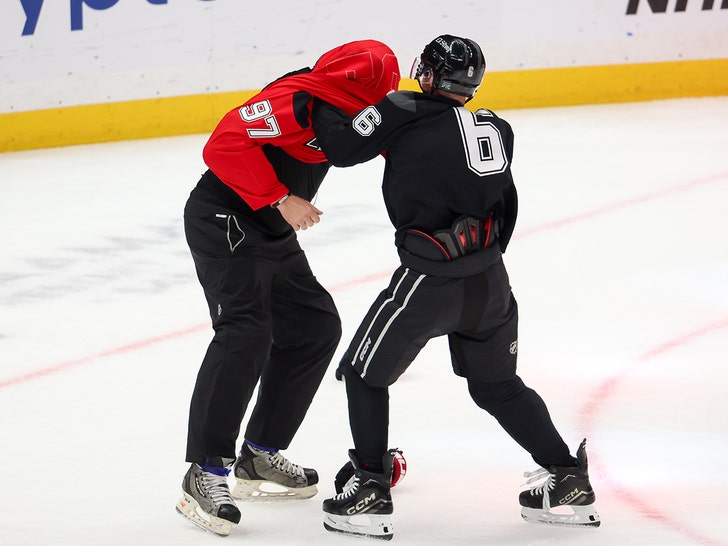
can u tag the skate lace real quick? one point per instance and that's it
(350, 488)
(540, 474)
(284, 465)
(216, 488)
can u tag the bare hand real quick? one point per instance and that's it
(299, 213)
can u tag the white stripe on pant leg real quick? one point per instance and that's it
(389, 323)
(374, 318)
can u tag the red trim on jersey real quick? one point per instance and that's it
(488, 225)
(430, 238)
(349, 77)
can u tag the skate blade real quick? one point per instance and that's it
(361, 525)
(580, 516)
(189, 509)
(260, 490)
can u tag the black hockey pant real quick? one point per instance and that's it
(275, 326)
(480, 316)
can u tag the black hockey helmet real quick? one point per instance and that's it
(457, 65)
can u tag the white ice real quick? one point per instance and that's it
(619, 263)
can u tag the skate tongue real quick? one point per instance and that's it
(535, 476)
(581, 458)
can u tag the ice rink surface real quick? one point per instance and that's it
(619, 263)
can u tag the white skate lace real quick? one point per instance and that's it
(538, 475)
(217, 488)
(542, 488)
(350, 488)
(284, 465)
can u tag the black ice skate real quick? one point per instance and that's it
(262, 475)
(564, 497)
(206, 501)
(364, 505)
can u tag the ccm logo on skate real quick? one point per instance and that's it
(570, 496)
(361, 505)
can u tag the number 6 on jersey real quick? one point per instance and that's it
(483, 143)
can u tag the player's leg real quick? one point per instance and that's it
(238, 301)
(486, 355)
(402, 319)
(524, 416)
(228, 374)
(306, 331)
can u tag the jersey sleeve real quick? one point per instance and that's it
(349, 140)
(234, 150)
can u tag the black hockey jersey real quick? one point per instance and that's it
(442, 160)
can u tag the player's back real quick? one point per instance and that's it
(445, 162)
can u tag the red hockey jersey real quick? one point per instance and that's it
(349, 77)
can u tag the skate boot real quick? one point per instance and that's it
(206, 499)
(265, 475)
(564, 497)
(399, 470)
(364, 506)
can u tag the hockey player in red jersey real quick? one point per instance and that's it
(450, 195)
(275, 326)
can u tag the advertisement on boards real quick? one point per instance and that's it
(59, 53)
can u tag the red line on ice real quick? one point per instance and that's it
(70, 364)
(547, 226)
(599, 398)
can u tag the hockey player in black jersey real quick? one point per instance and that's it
(449, 192)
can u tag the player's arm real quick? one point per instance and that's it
(234, 151)
(246, 170)
(348, 140)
